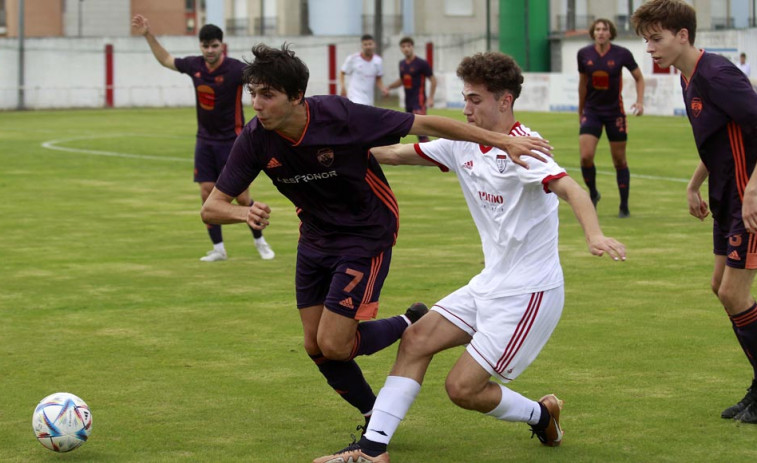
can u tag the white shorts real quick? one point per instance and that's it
(508, 332)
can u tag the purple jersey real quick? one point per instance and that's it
(218, 96)
(342, 198)
(722, 109)
(605, 83)
(414, 75)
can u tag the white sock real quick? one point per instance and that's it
(392, 404)
(219, 247)
(260, 240)
(515, 407)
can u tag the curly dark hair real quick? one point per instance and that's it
(610, 25)
(279, 69)
(497, 71)
(672, 15)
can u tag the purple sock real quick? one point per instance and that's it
(623, 177)
(216, 236)
(375, 335)
(745, 327)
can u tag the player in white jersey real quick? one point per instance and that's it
(506, 313)
(365, 70)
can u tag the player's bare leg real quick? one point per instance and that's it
(733, 288)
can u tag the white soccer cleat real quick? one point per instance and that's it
(266, 253)
(214, 256)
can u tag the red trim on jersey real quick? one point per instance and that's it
(238, 118)
(736, 139)
(376, 263)
(420, 153)
(385, 195)
(304, 130)
(694, 71)
(521, 331)
(549, 178)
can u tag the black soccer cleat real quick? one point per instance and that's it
(416, 311)
(748, 415)
(734, 410)
(623, 212)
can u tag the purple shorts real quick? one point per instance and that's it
(210, 158)
(615, 125)
(349, 286)
(739, 247)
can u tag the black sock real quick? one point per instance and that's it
(745, 327)
(544, 418)
(590, 178)
(374, 335)
(371, 448)
(216, 236)
(348, 381)
(623, 177)
(256, 233)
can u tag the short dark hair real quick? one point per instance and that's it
(672, 15)
(365, 37)
(497, 71)
(610, 25)
(279, 69)
(407, 40)
(209, 32)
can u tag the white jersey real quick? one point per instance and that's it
(363, 73)
(514, 211)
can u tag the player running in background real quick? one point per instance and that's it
(218, 91)
(365, 70)
(413, 74)
(316, 152)
(506, 313)
(722, 110)
(600, 104)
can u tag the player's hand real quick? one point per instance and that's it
(258, 215)
(637, 108)
(697, 206)
(140, 24)
(385, 92)
(526, 146)
(430, 102)
(601, 245)
(749, 211)
(343, 92)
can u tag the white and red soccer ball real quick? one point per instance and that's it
(62, 422)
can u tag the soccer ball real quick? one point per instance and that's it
(62, 422)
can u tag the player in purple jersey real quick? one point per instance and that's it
(600, 104)
(315, 150)
(722, 109)
(218, 95)
(413, 74)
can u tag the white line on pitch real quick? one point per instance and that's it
(53, 145)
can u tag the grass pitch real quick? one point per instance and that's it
(102, 295)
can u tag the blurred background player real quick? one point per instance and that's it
(744, 65)
(722, 109)
(506, 313)
(365, 70)
(413, 74)
(218, 91)
(600, 104)
(315, 150)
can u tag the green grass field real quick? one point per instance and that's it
(102, 295)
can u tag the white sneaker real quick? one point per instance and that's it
(214, 256)
(266, 253)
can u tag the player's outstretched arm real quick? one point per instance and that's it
(697, 206)
(568, 190)
(140, 25)
(399, 154)
(444, 127)
(219, 210)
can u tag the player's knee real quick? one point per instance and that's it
(333, 350)
(414, 341)
(460, 392)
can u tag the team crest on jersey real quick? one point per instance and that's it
(325, 156)
(696, 106)
(219, 79)
(501, 162)
(611, 63)
(198, 75)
